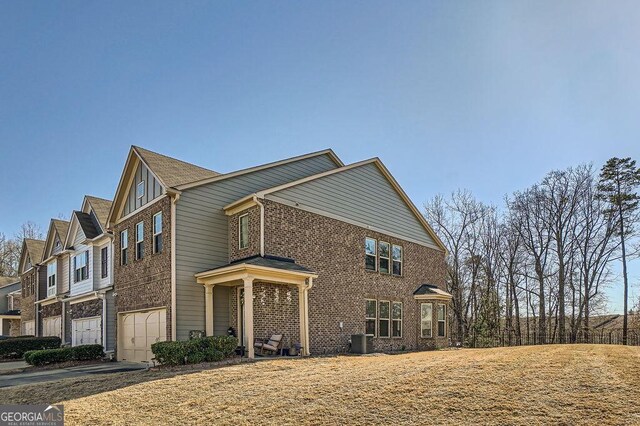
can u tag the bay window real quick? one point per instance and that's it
(426, 319)
(442, 319)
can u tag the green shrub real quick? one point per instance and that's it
(194, 351)
(169, 353)
(50, 356)
(16, 347)
(27, 356)
(87, 352)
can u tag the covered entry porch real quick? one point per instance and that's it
(276, 285)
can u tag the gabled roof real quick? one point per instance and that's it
(385, 172)
(100, 207)
(430, 290)
(56, 227)
(172, 172)
(32, 248)
(87, 224)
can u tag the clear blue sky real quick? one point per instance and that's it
(487, 96)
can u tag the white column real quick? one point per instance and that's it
(248, 314)
(302, 316)
(208, 299)
(307, 348)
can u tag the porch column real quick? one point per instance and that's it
(248, 314)
(302, 309)
(208, 298)
(307, 348)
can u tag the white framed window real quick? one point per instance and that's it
(383, 250)
(139, 240)
(396, 319)
(81, 266)
(104, 262)
(370, 317)
(442, 320)
(157, 232)
(140, 190)
(396, 252)
(124, 245)
(243, 231)
(426, 319)
(370, 254)
(51, 278)
(384, 313)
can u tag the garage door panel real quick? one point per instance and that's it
(52, 326)
(86, 331)
(139, 331)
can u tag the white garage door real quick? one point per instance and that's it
(86, 331)
(52, 326)
(29, 328)
(138, 331)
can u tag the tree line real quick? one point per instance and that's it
(539, 263)
(11, 247)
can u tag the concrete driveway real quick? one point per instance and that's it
(40, 376)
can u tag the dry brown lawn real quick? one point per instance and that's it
(561, 384)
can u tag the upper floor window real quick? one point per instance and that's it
(383, 249)
(28, 264)
(124, 245)
(140, 190)
(51, 279)
(157, 232)
(81, 266)
(426, 319)
(104, 262)
(442, 319)
(397, 259)
(139, 240)
(243, 231)
(370, 254)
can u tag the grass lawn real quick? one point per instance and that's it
(559, 384)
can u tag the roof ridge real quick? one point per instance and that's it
(141, 151)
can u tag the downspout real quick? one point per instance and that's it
(255, 199)
(174, 199)
(103, 320)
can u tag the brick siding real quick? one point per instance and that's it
(235, 252)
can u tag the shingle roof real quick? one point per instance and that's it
(35, 249)
(271, 262)
(173, 172)
(62, 227)
(7, 281)
(101, 209)
(430, 289)
(87, 224)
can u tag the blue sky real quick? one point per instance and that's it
(487, 96)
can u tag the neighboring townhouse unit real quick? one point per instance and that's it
(32, 277)
(87, 293)
(10, 295)
(55, 267)
(306, 246)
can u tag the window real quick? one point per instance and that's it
(370, 317)
(157, 232)
(397, 260)
(396, 319)
(140, 190)
(426, 319)
(139, 240)
(370, 254)
(104, 262)
(383, 249)
(81, 266)
(51, 279)
(442, 319)
(124, 245)
(383, 322)
(243, 231)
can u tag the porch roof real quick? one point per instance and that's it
(430, 291)
(265, 268)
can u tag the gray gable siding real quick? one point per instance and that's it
(363, 195)
(152, 190)
(202, 234)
